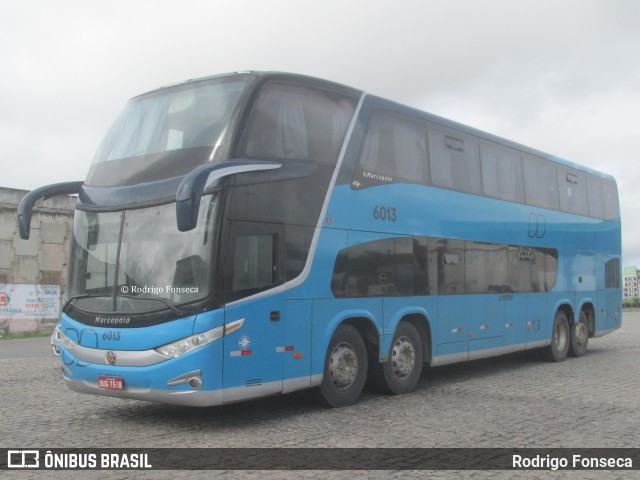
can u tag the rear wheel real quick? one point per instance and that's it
(579, 336)
(560, 339)
(345, 368)
(400, 374)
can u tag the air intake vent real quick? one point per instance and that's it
(254, 382)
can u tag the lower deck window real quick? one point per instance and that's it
(254, 262)
(408, 266)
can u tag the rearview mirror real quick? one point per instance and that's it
(192, 186)
(25, 209)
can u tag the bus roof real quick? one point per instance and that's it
(265, 76)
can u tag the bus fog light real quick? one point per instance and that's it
(195, 382)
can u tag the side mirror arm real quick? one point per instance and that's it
(25, 209)
(192, 186)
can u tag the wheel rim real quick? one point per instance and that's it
(581, 333)
(560, 336)
(343, 366)
(403, 357)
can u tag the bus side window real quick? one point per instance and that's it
(395, 146)
(486, 268)
(596, 197)
(501, 172)
(298, 123)
(540, 182)
(611, 206)
(454, 159)
(425, 271)
(450, 267)
(254, 262)
(573, 192)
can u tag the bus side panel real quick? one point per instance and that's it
(538, 327)
(515, 320)
(608, 315)
(296, 348)
(252, 365)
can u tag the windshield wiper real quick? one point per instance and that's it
(172, 307)
(83, 295)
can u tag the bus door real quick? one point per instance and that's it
(253, 361)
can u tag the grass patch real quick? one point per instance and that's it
(23, 335)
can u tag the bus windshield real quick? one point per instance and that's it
(137, 260)
(167, 132)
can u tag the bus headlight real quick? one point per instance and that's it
(185, 345)
(66, 341)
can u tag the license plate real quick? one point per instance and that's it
(110, 383)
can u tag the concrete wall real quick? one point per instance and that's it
(41, 260)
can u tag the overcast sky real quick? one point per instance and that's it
(562, 76)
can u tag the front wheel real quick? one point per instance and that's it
(400, 374)
(560, 339)
(579, 336)
(345, 368)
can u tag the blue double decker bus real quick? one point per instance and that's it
(257, 233)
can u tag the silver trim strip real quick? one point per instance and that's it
(486, 353)
(494, 352)
(124, 358)
(225, 172)
(316, 235)
(449, 358)
(193, 398)
(185, 378)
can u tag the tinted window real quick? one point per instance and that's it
(450, 267)
(404, 266)
(298, 240)
(573, 191)
(299, 123)
(501, 172)
(486, 268)
(454, 159)
(611, 206)
(532, 269)
(254, 262)
(430, 266)
(395, 148)
(425, 250)
(371, 269)
(540, 182)
(596, 197)
(255, 259)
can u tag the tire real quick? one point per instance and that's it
(345, 368)
(560, 339)
(400, 374)
(579, 336)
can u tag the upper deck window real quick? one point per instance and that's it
(168, 132)
(171, 120)
(454, 159)
(395, 148)
(540, 182)
(501, 172)
(297, 122)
